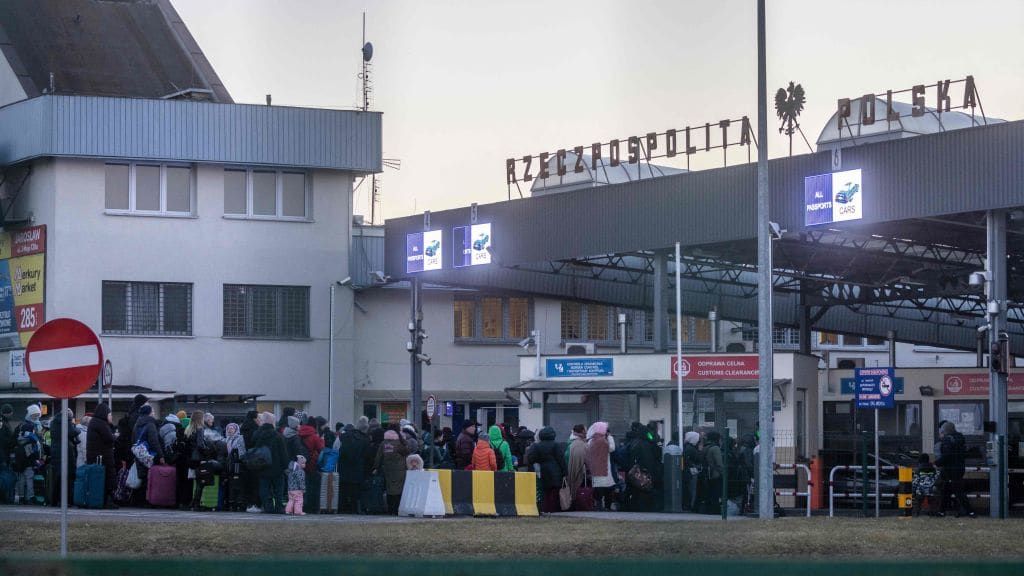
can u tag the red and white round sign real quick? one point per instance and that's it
(63, 358)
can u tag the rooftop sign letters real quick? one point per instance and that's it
(667, 144)
(870, 106)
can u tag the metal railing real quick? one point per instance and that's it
(810, 484)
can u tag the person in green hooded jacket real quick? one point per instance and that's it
(502, 451)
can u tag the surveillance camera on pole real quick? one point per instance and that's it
(423, 358)
(525, 342)
(978, 278)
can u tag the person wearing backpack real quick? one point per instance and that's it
(925, 486)
(125, 430)
(713, 467)
(29, 453)
(502, 451)
(952, 463)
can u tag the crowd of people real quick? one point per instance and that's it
(299, 464)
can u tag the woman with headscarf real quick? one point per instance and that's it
(692, 462)
(234, 477)
(390, 461)
(600, 445)
(577, 458)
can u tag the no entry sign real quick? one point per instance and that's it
(64, 358)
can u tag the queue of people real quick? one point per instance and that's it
(299, 465)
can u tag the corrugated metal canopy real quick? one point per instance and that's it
(904, 266)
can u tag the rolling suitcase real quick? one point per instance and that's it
(211, 494)
(90, 485)
(162, 486)
(330, 492)
(372, 498)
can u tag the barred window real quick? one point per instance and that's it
(572, 320)
(518, 318)
(275, 312)
(490, 319)
(465, 318)
(147, 308)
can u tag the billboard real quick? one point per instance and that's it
(471, 245)
(424, 251)
(836, 197)
(22, 285)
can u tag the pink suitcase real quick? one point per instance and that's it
(161, 488)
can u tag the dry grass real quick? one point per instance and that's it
(819, 538)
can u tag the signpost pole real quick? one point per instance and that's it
(679, 350)
(877, 463)
(64, 428)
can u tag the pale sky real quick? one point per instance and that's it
(465, 84)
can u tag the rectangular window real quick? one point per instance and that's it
(853, 340)
(266, 194)
(702, 330)
(117, 186)
(597, 322)
(828, 339)
(518, 318)
(572, 313)
(151, 189)
(273, 312)
(147, 308)
(465, 318)
(491, 313)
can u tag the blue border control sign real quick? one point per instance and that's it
(579, 367)
(875, 387)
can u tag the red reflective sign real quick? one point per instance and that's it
(63, 358)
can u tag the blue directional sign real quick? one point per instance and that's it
(579, 367)
(849, 385)
(875, 387)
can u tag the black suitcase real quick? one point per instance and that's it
(373, 497)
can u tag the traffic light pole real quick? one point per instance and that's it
(996, 297)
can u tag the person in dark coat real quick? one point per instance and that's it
(550, 459)
(126, 428)
(643, 452)
(464, 445)
(99, 449)
(251, 481)
(292, 441)
(952, 461)
(354, 461)
(8, 440)
(57, 429)
(146, 428)
(271, 479)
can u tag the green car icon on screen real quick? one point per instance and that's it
(432, 248)
(846, 195)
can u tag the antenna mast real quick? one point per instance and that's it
(367, 50)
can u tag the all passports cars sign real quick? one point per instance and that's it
(716, 367)
(835, 197)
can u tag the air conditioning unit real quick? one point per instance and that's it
(580, 348)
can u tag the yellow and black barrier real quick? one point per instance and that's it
(905, 494)
(481, 493)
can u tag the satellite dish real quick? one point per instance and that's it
(367, 52)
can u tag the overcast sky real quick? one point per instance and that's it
(465, 84)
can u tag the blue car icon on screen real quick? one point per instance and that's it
(432, 248)
(481, 242)
(846, 195)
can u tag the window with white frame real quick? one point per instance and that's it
(149, 189)
(147, 308)
(266, 194)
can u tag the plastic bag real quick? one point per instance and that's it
(134, 482)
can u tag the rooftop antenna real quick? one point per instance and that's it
(367, 91)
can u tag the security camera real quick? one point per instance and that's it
(408, 345)
(525, 342)
(423, 335)
(411, 326)
(776, 230)
(978, 278)
(347, 281)
(423, 358)
(379, 277)
(983, 328)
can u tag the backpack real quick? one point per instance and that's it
(924, 483)
(257, 460)
(28, 452)
(499, 458)
(328, 460)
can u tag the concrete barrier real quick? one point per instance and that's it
(421, 495)
(483, 493)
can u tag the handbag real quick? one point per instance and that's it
(639, 478)
(142, 453)
(122, 493)
(565, 495)
(257, 460)
(133, 481)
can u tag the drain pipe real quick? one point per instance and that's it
(713, 319)
(622, 332)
